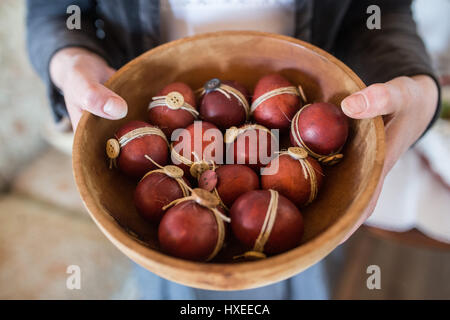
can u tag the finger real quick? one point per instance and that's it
(395, 147)
(75, 114)
(101, 101)
(108, 72)
(375, 100)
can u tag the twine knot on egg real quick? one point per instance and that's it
(228, 91)
(171, 171)
(197, 167)
(309, 173)
(232, 133)
(210, 201)
(297, 91)
(329, 159)
(113, 145)
(174, 101)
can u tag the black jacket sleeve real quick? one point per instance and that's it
(392, 51)
(47, 33)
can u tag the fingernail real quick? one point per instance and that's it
(115, 108)
(354, 104)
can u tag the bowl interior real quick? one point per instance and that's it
(245, 57)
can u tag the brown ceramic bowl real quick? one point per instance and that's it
(245, 57)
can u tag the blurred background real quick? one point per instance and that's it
(44, 227)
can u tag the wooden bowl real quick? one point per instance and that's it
(245, 57)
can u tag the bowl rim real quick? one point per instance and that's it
(222, 274)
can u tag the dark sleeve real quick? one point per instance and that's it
(47, 33)
(392, 51)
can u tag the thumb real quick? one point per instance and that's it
(99, 100)
(375, 100)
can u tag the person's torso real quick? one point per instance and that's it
(135, 26)
(181, 18)
(132, 27)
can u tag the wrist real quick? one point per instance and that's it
(429, 91)
(427, 95)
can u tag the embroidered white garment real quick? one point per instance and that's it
(181, 18)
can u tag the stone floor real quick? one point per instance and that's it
(38, 243)
(50, 179)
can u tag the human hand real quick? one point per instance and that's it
(407, 105)
(80, 75)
